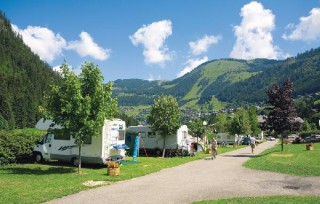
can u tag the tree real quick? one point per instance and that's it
(240, 123)
(80, 104)
(283, 116)
(252, 112)
(197, 128)
(221, 122)
(164, 117)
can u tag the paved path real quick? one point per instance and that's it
(223, 177)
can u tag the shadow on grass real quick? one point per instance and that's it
(47, 168)
(38, 170)
(263, 154)
(240, 155)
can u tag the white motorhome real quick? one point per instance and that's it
(98, 150)
(227, 138)
(152, 141)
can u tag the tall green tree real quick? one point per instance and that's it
(80, 104)
(240, 123)
(254, 123)
(164, 117)
(221, 123)
(283, 116)
(197, 128)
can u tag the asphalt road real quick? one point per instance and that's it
(223, 177)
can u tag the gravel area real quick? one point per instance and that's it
(224, 177)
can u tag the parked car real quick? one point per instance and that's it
(246, 141)
(270, 138)
(313, 138)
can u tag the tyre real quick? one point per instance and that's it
(75, 161)
(158, 152)
(38, 157)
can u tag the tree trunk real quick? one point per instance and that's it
(164, 146)
(79, 165)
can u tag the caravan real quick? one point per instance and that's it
(152, 142)
(96, 150)
(226, 138)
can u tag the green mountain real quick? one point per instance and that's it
(23, 80)
(226, 81)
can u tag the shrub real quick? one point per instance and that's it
(16, 145)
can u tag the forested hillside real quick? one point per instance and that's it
(227, 80)
(23, 80)
(303, 70)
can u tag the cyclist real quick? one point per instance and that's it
(214, 146)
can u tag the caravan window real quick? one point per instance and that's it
(87, 140)
(121, 134)
(184, 133)
(60, 135)
(151, 134)
(142, 134)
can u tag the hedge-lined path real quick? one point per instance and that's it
(224, 177)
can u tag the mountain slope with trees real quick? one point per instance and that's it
(23, 80)
(227, 80)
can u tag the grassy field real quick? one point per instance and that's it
(293, 160)
(266, 200)
(134, 110)
(37, 183)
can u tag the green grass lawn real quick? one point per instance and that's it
(295, 160)
(37, 183)
(266, 200)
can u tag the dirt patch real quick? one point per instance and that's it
(282, 155)
(94, 183)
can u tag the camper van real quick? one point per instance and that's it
(226, 138)
(152, 142)
(96, 150)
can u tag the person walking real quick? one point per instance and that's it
(214, 146)
(252, 143)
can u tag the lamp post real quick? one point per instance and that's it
(205, 123)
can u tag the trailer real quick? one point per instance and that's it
(226, 138)
(110, 145)
(152, 142)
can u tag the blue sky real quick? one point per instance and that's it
(162, 40)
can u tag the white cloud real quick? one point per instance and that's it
(151, 77)
(254, 39)
(57, 68)
(191, 64)
(308, 29)
(77, 70)
(87, 47)
(42, 41)
(202, 45)
(152, 37)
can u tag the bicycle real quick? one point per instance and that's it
(175, 152)
(214, 153)
(223, 144)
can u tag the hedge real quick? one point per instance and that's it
(16, 145)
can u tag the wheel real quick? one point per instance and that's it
(158, 152)
(75, 161)
(38, 157)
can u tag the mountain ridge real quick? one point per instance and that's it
(228, 80)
